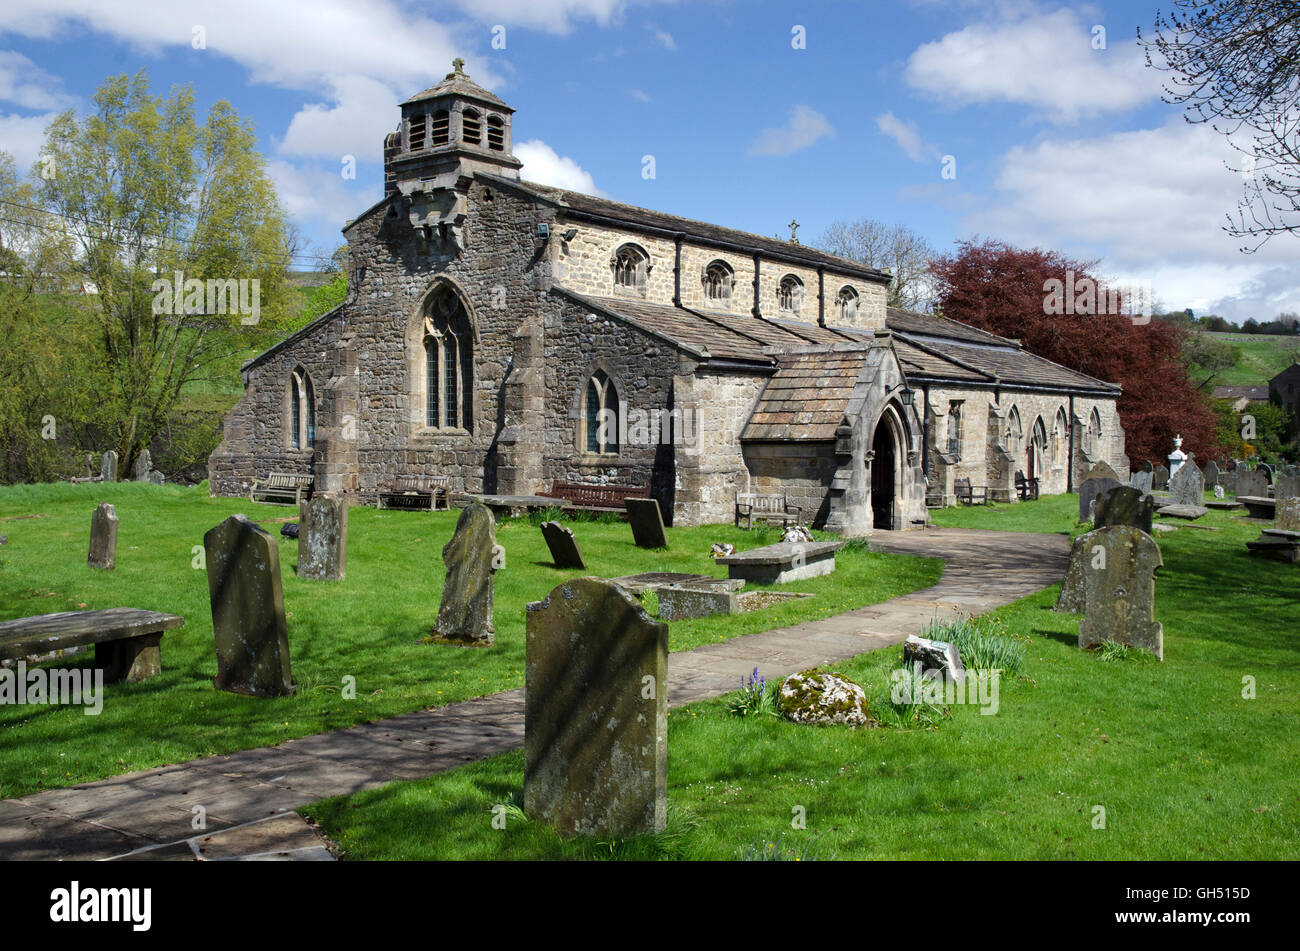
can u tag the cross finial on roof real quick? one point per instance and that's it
(458, 64)
(794, 226)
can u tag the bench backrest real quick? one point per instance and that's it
(761, 502)
(581, 492)
(288, 480)
(424, 483)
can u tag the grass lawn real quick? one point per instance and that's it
(1263, 356)
(1184, 766)
(368, 626)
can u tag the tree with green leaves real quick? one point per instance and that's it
(178, 236)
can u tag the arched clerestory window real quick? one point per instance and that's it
(601, 417)
(789, 294)
(631, 267)
(719, 279)
(846, 305)
(448, 343)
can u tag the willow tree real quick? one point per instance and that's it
(179, 239)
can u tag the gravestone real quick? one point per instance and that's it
(563, 546)
(103, 537)
(1252, 483)
(1187, 485)
(156, 478)
(108, 466)
(1141, 481)
(1265, 468)
(1161, 480)
(1211, 474)
(1111, 581)
(248, 622)
(1100, 478)
(1287, 515)
(1288, 485)
(595, 712)
(647, 523)
(323, 538)
(687, 601)
(1124, 505)
(472, 558)
(142, 466)
(1218, 492)
(1228, 480)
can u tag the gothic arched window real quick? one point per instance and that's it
(846, 305)
(302, 411)
(789, 295)
(1060, 431)
(954, 428)
(719, 279)
(1092, 435)
(1014, 431)
(601, 419)
(631, 268)
(448, 364)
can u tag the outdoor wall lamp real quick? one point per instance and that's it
(904, 394)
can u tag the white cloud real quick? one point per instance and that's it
(26, 85)
(665, 39)
(1046, 61)
(363, 112)
(806, 127)
(1152, 204)
(321, 198)
(552, 16)
(640, 95)
(23, 136)
(907, 137)
(543, 166)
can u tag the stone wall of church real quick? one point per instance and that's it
(976, 456)
(802, 471)
(711, 463)
(585, 264)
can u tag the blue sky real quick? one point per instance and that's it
(1055, 142)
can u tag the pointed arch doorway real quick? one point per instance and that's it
(884, 480)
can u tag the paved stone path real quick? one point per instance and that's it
(156, 807)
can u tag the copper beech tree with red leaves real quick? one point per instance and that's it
(1004, 290)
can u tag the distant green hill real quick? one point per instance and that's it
(1262, 357)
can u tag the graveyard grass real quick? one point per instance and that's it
(368, 626)
(1185, 767)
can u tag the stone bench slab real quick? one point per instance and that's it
(784, 561)
(127, 639)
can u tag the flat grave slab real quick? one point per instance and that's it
(1257, 506)
(653, 580)
(1188, 512)
(782, 562)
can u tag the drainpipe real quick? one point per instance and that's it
(1069, 459)
(757, 311)
(677, 273)
(925, 430)
(821, 296)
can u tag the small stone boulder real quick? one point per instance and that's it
(822, 698)
(934, 655)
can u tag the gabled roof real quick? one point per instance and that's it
(578, 205)
(808, 396)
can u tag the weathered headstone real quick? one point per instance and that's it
(563, 546)
(156, 478)
(1228, 480)
(1218, 492)
(1111, 581)
(1211, 474)
(647, 523)
(142, 466)
(1187, 485)
(103, 537)
(1124, 505)
(1287, 514)
(1161, 480)
(1100, 478)
(472, 558)
(248, 622)
(323, 538)
(1252, 483)
(108, 466)
(1287, 485)
(1141, 481)
(595, 712)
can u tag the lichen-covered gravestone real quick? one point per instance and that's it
(143, 464)
(595, 712)
(647, 523)
(108, 466)
(1287, 514)
(563, 546)
(248, 622)
(1187, 485)
(323, 538)
(103, 537)
(1141, 481)
(1252, 483)
(1124, 505)
(1212, 474)
(1111, 581)
(1100, 478)
(472, 558)
(1287, 485)
(1161, 480)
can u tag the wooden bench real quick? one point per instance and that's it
(282, 488)
(1026, 488)
(127, 640)
(968, 494)
(416, 492)
(777, 508)
(597, 498)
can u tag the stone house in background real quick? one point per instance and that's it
(509, 334)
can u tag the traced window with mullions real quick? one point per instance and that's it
(448, 365)
(602, 414)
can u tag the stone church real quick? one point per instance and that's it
(509, 334)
